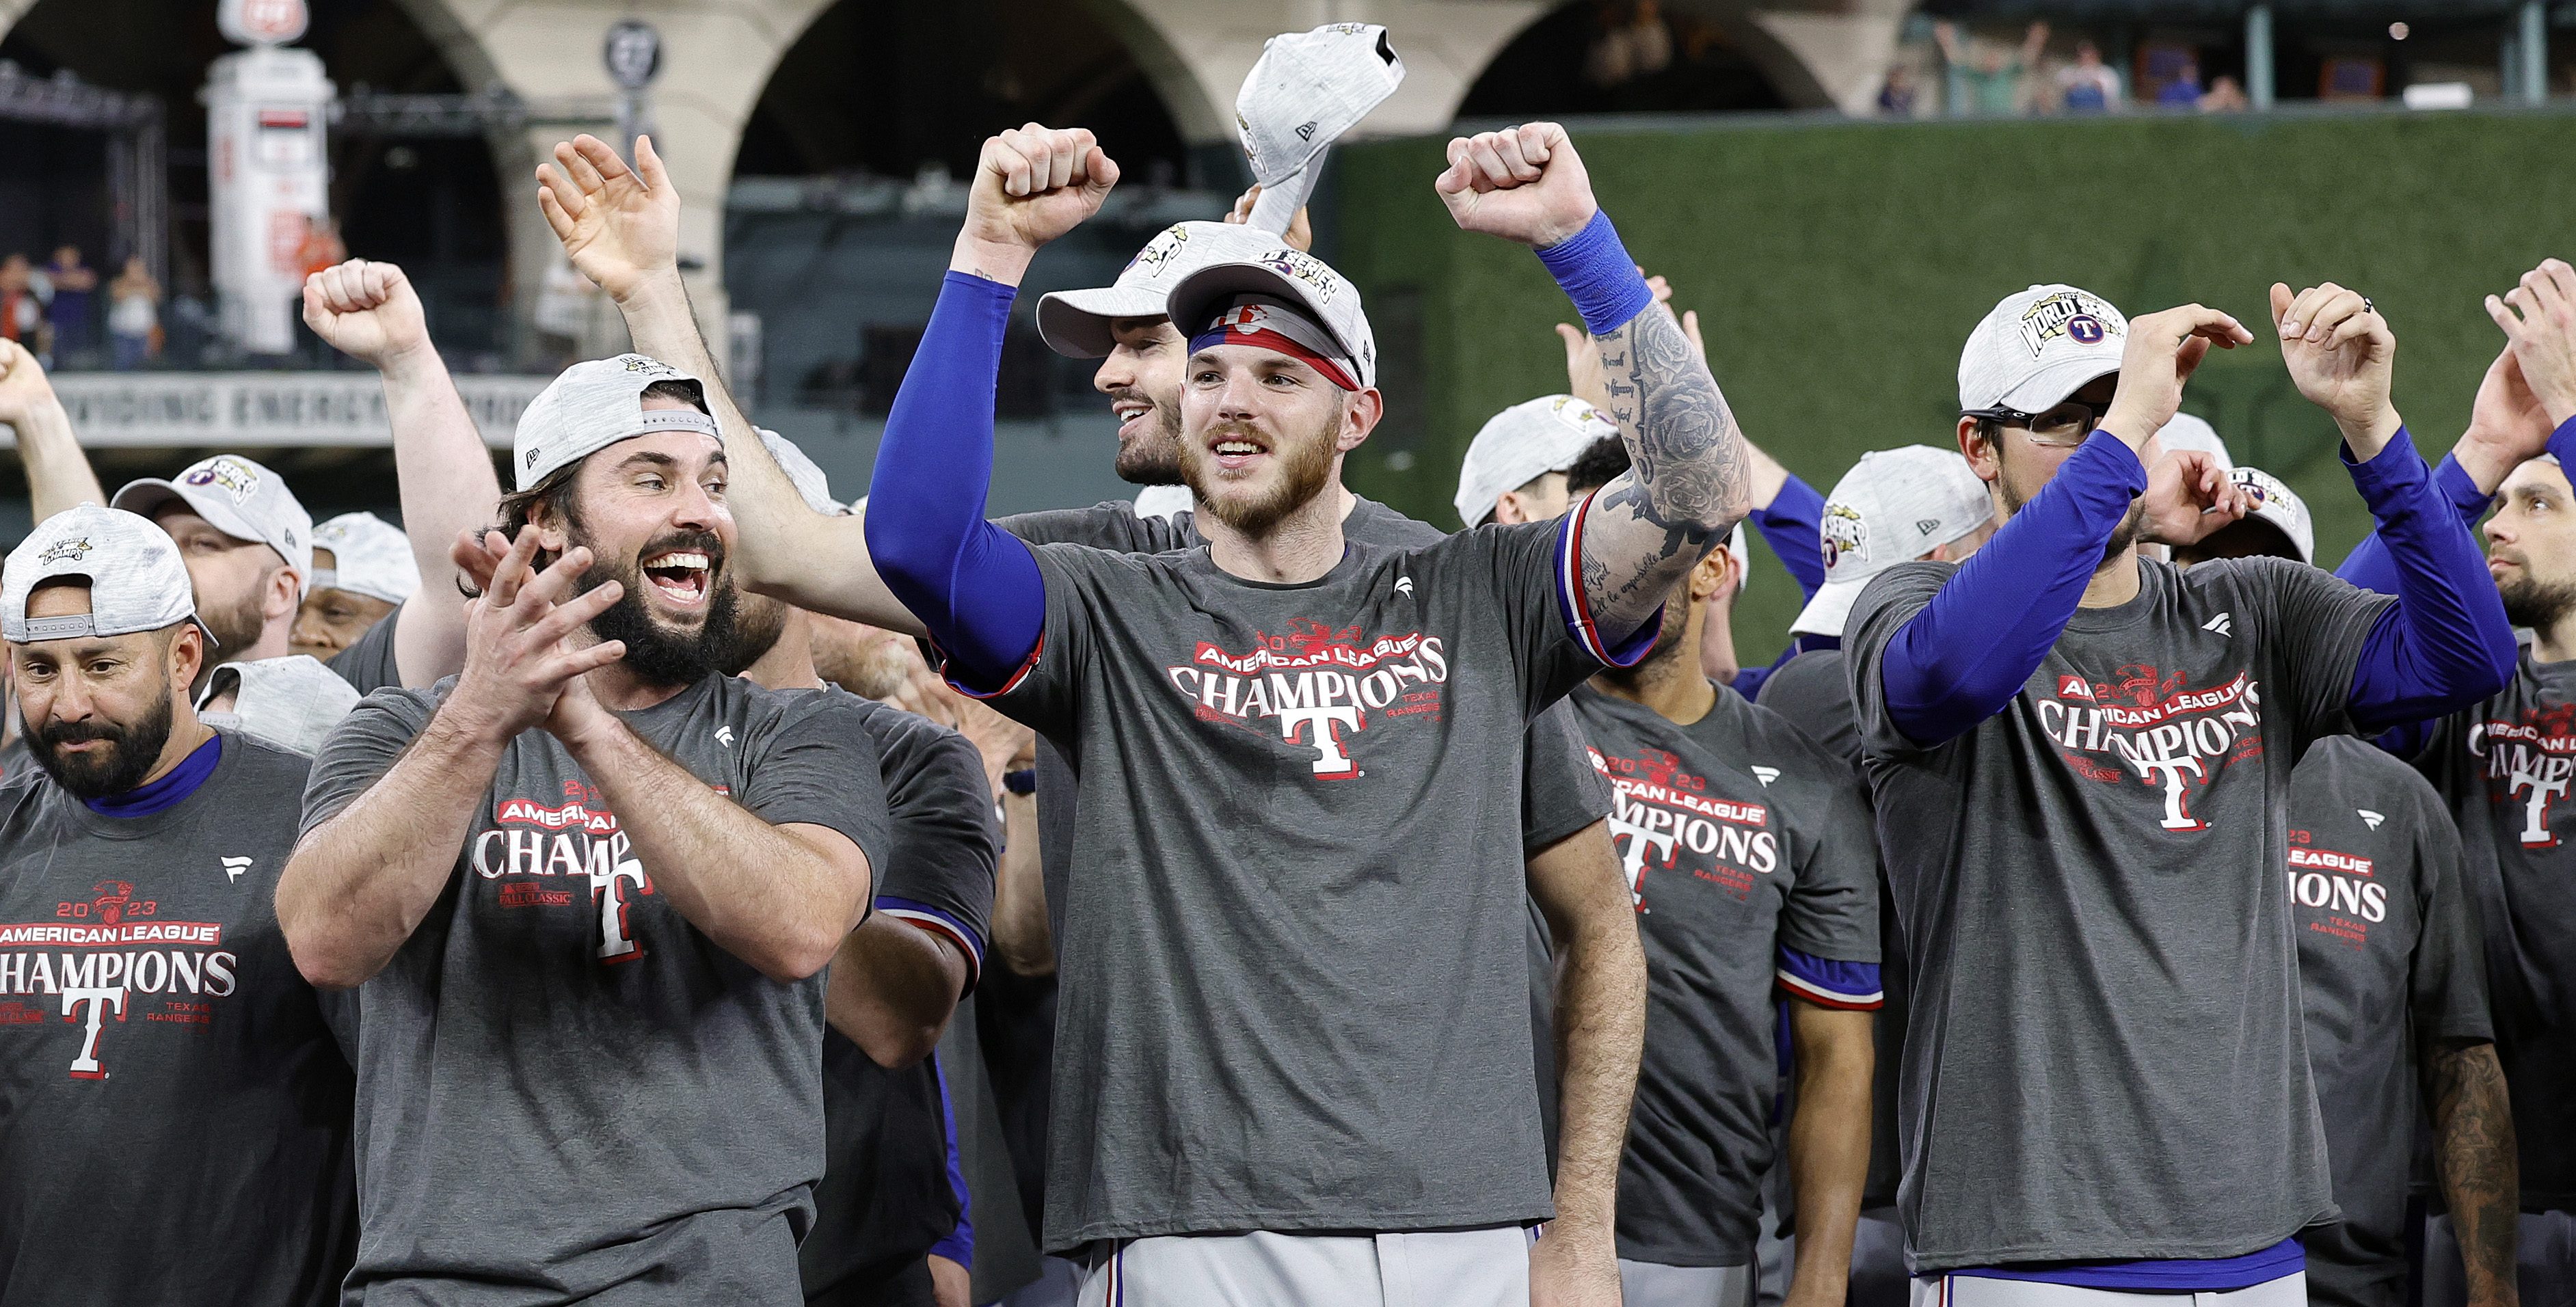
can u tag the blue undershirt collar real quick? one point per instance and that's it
(168, 792)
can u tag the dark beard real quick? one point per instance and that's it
(2122, 536)
(1153, 459)
(234, 630)
(1307, 466)
(758, 623)
(126, 763)
(655, 653)
(2536, 604)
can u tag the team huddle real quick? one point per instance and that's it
(552, 899)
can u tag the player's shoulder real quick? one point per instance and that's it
(1770, 731)
(1378, 524)
(2352, 767)
(260, 767)
(1812, 673)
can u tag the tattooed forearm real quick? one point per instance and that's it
(2473, 1147)
(1690, 482)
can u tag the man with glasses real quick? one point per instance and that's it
(2082, 767)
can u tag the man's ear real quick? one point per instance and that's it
(187, 655)
(1983, 458)
(1711, 575)
(285, 594)
(1360, 414)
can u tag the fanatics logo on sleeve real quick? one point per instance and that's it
(2369, 818)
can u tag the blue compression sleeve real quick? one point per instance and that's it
(1967, 653)
(1794, 527)
(2370, 567)
(974, 585)
(2447, 644)
(959, 1245)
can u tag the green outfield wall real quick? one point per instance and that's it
(1837, 267)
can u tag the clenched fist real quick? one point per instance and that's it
(1526, 184)
(367, 311)
(23, 388)
(1032, 184)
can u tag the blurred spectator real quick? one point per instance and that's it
(1896, 94)
(74, 284)
(134, 316)
(322, 248)
(1992, 82)
(2088, 85)
(2224, 96)
(2184, 89)
(22, 315)
(1633, 43)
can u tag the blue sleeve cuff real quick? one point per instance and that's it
(2393, 472)
(1595, 271)
(2562, 443)
(1576, 605)
(2462, 493)
(1830, 982)
(1793, 526)
(959, 1245)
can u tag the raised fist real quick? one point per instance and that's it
(367, 311)
(1033, 184)
(2343, 358)
(1526, 184)
(23, 387)
(619, 226)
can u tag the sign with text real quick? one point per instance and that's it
(215, 409)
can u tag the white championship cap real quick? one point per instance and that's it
(2280, 506)
(2188, 432)
(811, 485)
(239, 498)
(1304, 92)
(1894, 506)
(2037, 347)
(1286, 275)
(1528, 440)
(369, 556)
(594, 405)
(137, 581)
(1075, 323)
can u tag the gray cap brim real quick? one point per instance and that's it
(146, 498)
(1826, 613)
(1079, 323)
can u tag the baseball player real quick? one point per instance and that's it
(2503, 768)
(363, 571)
(1287, 821)
(2103, 743)
(595, 865)
(174, 1109)
(1753, 870)
(2392, 981)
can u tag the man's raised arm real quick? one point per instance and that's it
(620, 226)
(442, 468)
(974, 585)
(1692, 475)
(58, 473)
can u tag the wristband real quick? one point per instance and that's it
(1023, 781)
(1596, 273)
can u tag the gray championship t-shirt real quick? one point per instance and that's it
(885, 1199)
(2507, 768)
(1739, 837)
(565, 1087)
(2103, 1059)
(1294, 994)
(174, 1113)
(1813, 691)
(2389, 962)
(368, 663)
